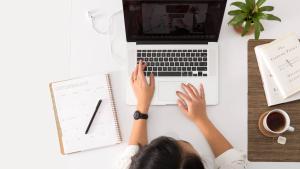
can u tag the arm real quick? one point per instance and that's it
(192, 103)
(144, 93)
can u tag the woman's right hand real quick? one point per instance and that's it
(192, 102)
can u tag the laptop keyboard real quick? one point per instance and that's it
(174, 62)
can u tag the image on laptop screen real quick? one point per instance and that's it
(173, 21)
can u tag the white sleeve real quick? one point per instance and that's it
(125, 160)
(231, 159)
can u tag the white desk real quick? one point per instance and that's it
(34, 52)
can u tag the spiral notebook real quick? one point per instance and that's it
(74, 102)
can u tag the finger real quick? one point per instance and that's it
(182, 106)
(188, 90)
(132, 78)
(135, 72)
(141, 75)
(152, 80)
(202, 91)
(183, 96)
(194, 89)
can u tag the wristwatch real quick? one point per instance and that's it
(138, 115)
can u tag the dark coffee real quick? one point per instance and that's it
(276, 121)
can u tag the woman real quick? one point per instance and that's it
(166, 152)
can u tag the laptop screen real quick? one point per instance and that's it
(184, 21)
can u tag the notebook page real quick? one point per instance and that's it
(76, 101)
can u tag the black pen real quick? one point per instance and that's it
(92, 119)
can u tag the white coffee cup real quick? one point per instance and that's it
(277, 121)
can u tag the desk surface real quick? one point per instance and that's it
(261, 148)
(34, 52)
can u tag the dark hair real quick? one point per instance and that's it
(164, 153)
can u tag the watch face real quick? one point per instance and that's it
(136, 115)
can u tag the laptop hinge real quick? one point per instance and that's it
(169, 42)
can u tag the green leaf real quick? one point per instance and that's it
(246, 28)
(266, 8)
(237, 19)
(268, 17)
(260, 2)
(235, 12)
(261, 27)
(240, 5)
(257, 29)
(250, 4)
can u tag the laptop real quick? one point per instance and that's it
(179, 42)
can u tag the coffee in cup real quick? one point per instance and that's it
(277, 121)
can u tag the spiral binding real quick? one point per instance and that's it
(114, 109)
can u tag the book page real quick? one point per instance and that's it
(76, 101)
(282, 57)
(272, 93)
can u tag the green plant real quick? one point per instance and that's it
(250, 13)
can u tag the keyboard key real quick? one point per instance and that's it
(154, 68)
(165, 59)
(189, 50)
(156, 64)
(203, 64)
(199, 73)
(194, 50)
(179, 50)
(188, 54)
(169, 73)
(204, 59)
(174, 69)
(204, 50)
(143, 54)
(162, 63)
(158, 54)
(139, 54)
(148, 54)
(204, 75)
(201, 68)
(138, 50)
(175, 59)
(168, 54)
(177, 54)
(155, 59)
(179, 69)
(181, 63)
(171, 59)
(165, 68)
(184, 73)
(163, 54)
(194, 59)
(193, 54)
(161, 59)
(186, 63)
(197, 54)
(190, 73)
(159, 69)
(183, 68)
(182, 54)
(194, 68)
(171, 63)
(180, 59)
(153, 54)
(203, 54)
(199, 59)
(169, 68)
(172, 54)
(188, 68)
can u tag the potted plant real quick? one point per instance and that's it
(247, 19)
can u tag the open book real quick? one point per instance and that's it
(272, 93)
(282, 58)
(74, 102)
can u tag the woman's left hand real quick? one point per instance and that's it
(142, 90)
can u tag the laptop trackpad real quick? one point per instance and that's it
(167, 91)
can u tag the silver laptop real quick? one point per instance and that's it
(178, 41)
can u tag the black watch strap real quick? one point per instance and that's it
(138, 115)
